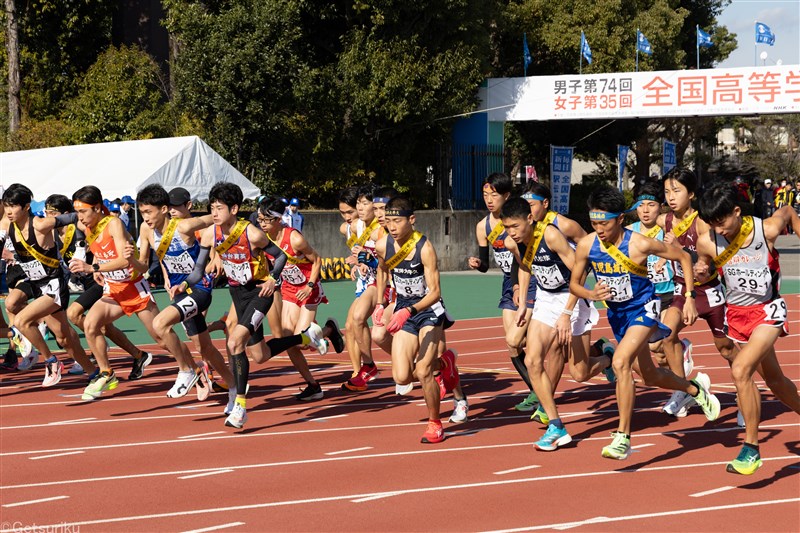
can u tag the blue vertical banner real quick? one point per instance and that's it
(622, 158)
(560, 177)
(670, 160)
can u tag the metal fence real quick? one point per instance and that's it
(461, 170)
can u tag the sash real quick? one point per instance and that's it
(681, 228)
(354, 241)
(69, 234)
(623, 260)
(43, 259)
(404, 250)
(652, 233)
(735, 244)
(534, 242)
(98, 229)
(166, 238)
(498, 229)
(234, 235)
(289, 257)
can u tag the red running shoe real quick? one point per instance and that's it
(358, 383)
(434, 433)
(449, 370)
(442, 388)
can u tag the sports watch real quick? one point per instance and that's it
(689, 294)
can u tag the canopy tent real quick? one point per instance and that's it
(122, 168)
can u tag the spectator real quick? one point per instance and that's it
(253, 218)
(762, 200)
(293, 218)
(742, 192)
(784, 195)
(127, 216)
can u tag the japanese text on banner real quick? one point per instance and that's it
(560, 177)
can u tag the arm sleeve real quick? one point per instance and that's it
(483, 255)
(199, 266)
(514, 273)
(692, 254)
(66, 219)
(280, 260)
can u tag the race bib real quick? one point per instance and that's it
(619, 286)
(504, 259)
(410, 287)
(122, 274)
(293, 275)
(655, 276)
(549, 277)
(34, 270)
(188, 307)
(179, 264)
(678, 269)
(238, 272)
(748, 280)
(776, 310)
(715, 296)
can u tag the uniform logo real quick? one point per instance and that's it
(759, 245)
(415, 265)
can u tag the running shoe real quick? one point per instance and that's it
(102, 382)
(434, 433)
(310, 393)
(335, 335)
(139, 364)
(540, 416)
(553, 438)
(219, 386)
(314, 333)
(678, 404)
(183, 384)
(23, 345)
(76, 369)
(402, 390)
(358, 383)
(52, 372)
(746, 463)
(528, 404)
(237, 418)
(688, 362)
(231, 401)
(203, 385)
(620, 447)
(460, 412)
(10, 360)
(29, 361)
(442, 389)
(707, 401)
(449, 371)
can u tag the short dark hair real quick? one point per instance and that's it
(17, 194)
(606, 198)
(154, 195)
(500, 182)
(538, 189)
(515, 207)
(403, 203)
(684, 176)
(59, 202)
(386, 192)
(88, 194)
(717, 202)
(226, 193)
(270, 203)
(349, 196)
(367, 191)
(651, 188)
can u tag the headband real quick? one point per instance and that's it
(532, 196)
(602, 215)
(394, 212)
(381, 200)
(644, 197)
(77, 204)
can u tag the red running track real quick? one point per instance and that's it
(139, 461)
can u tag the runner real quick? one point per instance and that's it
(419, 318)
(743, 249)
(379, 335)
(617, 255)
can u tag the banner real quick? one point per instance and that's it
(622, 158)
(673, 93)
(560, 177)
(670, 160)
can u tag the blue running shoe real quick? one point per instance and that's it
(553, 438)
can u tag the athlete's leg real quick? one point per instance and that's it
(290, 317)
(165, 336)
(783, 388)
(103, 312)
(28, 318)
(583, 366)
(427, 362)
(364, 305)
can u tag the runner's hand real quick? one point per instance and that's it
(564, 329)
(600, 292)
(398, 319)
(377, 315)
(689, 312)
(267, 288)
(473, 262)
(520, 319)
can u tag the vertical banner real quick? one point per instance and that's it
(561, 177)
(622, 158)
(670, 160)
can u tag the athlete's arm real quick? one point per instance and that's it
(480, 263)
(781, 219)
(706, 252)
(578, 277)
(197, 273)
(571, 229)
(557, 242)
(188, 226)
(141, 263)
(381, 280)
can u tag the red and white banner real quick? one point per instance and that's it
(670, 93)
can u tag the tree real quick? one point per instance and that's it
(774, 145)
(12, 49)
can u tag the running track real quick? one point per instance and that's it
(138, 461)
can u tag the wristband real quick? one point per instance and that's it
(566, 312)
(185, 284)
(413, 310)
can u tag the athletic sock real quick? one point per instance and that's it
(751, 446)
(277, 346)
(519, 364)
(241, 401)
(241, 369)
(52, 359)
(557, 423)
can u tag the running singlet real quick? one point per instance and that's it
(179, 261)
(105, 251)
(34, 269)
(298, 269)
(687, 240)
(409, 277)
(502, 255)
(662, 280)
(550, 272)
(752, 275)
(240, 265)
(629, 292)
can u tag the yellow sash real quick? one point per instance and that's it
(624, 260)
(404, 250)
(533, 244)
(289, 257)
(234, 235)
(98, 229)
(498, 229)
(652, 233)
(681, 228)
(735, 244)
(43, 259)
(354, 241)
(166, 238)
(69, 234)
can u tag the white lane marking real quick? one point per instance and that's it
(349, 451)
(712, 491)
(31, 502)
(512, 470)
(601, 520)
(202, 435)
(76, 452)
(322, 418)
(215, 528)
(76, 421)
(212, 473)
(376, 496)
(645, 445)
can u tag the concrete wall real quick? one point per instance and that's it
(452, 234)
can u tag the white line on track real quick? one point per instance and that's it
(212, 473)
(377, 496)
(712, 491)
(512, 470)
(202, 435)
(55, 455)
(645, 445)
(605, 520)
(215, 528)
(351, 450)
(76, 421)
(322, 418)
(31, 502)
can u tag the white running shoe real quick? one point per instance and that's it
(460, 411)
(688, 362)
(237, 418)
(678, 404)
(29, 361)
(52, 373)
(231, 401)
(23, 345)
(76, 369)
(183, 384)
(402, 390)
(203, 385)
(314, 333)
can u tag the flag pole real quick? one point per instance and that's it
(580, 56)
(524, 59)
(637, 49)
(697, 43)
(755, 46)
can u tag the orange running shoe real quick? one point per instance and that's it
(434, 433)
(449, 370)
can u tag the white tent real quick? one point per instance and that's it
(122, 168)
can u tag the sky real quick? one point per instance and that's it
(782, 17)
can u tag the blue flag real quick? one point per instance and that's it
(585, 50)
(764, 34)
(642, 44)
(703, 39)
(526, 53)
